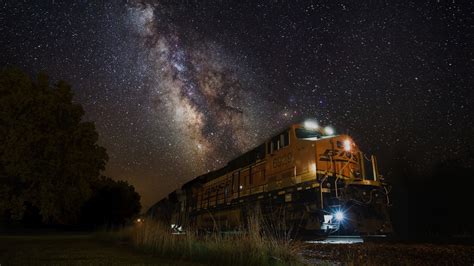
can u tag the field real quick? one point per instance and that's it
(88, 249)
(72, 249)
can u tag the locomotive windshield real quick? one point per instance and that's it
(304, 133)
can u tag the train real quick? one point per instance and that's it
(306, 177)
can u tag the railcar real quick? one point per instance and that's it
(307, 177)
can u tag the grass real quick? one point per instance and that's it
(251, 247)
(72, 249)
(150, 243)
(124, 248)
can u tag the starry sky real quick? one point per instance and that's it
(178, 88)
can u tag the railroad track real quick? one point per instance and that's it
(347, 239)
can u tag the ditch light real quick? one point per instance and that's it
(339, 215)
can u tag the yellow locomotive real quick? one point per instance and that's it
(321, 181)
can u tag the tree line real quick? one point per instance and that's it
(50, 159)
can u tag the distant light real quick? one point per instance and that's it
(313, 167)
(241, 187)
(311, 124)
(339, 215)
(139, 220)
(329, 130)
(347, 145)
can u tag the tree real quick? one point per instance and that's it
(113, 203)
(49, 157)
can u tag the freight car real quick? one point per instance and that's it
(306, 176)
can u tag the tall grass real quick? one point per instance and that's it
(250, 247)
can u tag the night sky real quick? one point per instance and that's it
(177, 88)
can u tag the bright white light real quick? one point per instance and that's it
(347, 145)
(339, 216)
(241, 187)
(311, 124)
(327, 218)
(329, 130)
(312, 167)
(176, 227)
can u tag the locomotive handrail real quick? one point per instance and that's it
(337, 178)
(321, 189)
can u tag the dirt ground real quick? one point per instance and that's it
(389, 254)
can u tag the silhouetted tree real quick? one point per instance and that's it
(48, 156)
(112, 203)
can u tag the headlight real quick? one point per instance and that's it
(311, 124)
(339, 215)
(329, 130)
(347, 145)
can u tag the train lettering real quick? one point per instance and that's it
(282, 161)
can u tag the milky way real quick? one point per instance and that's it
(178, 88)
(196, 86)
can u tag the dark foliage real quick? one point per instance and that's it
(48, 156)
(50, 161)
(113, 203)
